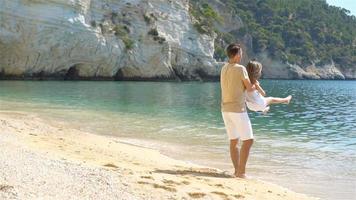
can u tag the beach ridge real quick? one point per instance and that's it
(42, 160)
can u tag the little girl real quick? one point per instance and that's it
(256, 100)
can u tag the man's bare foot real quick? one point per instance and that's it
(288, 99)
(266, 110)
(241, 176)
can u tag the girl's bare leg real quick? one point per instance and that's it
(276, 100)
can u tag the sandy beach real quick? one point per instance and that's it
(43, 160)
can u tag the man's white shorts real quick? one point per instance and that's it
(238, 125)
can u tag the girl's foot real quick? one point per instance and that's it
(288, 99)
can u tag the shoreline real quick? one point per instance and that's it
(124, 171)
(138, 79)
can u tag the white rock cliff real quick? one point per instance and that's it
(119, 39)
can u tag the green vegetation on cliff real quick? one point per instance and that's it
(205, 17)
(298, 32)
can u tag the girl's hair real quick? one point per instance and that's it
(254, 70)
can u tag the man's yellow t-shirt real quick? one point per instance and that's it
(233, 88)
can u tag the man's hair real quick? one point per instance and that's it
(233, 49)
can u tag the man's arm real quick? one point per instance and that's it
(246, 80)
(259, 89)
(249, 86)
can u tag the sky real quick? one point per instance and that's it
(348, 4)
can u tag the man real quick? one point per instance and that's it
(234, 81)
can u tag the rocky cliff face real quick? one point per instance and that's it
(277, 70)
(120, 40)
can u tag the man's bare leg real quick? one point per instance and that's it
(276, 100)
(234, 154)
(244, 153)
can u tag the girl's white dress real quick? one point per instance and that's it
(255, 101)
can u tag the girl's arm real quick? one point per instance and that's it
(259, 89)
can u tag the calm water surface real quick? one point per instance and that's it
(308, 146)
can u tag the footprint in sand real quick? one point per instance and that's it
(147, 177)
(170, 182)
(239, 196)
(221, 194)
(110, 165)
(6, 188)
(196, 195)
(220, 186)
(185, 182)
(170, 189)
(143, 182)
(155, 185)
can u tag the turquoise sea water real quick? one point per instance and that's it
(308, 146)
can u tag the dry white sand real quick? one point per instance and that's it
(42, 160)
